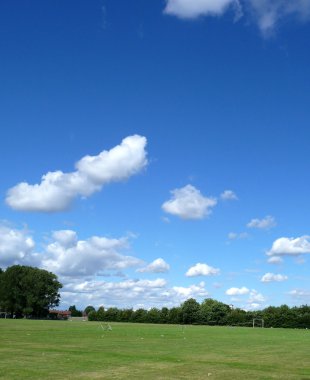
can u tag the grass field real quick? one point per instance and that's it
(84, 350)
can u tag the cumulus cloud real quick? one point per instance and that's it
(16, 247)
(237, 291)
(189, 203)
(157, 266)
(189, 9)
(290, 246)
(263, 224)
(193, 291)
(126, 293)
(130, 293)
(271, 277)
(68, 256)
(201, 270)
(57, 190)
(229, 195)
(265, 13)
(256, 297)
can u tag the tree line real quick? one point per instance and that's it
(209, 312)
(30, 292)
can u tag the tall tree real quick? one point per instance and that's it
(26, 290)
(75, 312)
(190, 311)
(88, 309)
(213, 312)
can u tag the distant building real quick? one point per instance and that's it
(60, 314)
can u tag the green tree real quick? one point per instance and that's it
(112, 314)
(28, 290)
(164, 315)
(75, 312)
(213, 312)
(100, 313)
(139, 315)
(190, 311)
(174, 315)
(88, 309)
(92, 316)
(153, 315)
(125, 315)
(238, 317)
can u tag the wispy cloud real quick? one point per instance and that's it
(271, 277)
(189, 9)
(301, 295)
(237, 236)
(275, 260)
(266, 14)
(263, 224)
(229, 195)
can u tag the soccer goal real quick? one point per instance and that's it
(258, 322)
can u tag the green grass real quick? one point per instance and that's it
(83, 350)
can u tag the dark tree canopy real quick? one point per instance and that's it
(75, 312)
(209, 312)
(88, 309)
(26, 290)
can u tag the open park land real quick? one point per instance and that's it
(93, 350)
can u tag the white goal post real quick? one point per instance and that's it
(258, 321)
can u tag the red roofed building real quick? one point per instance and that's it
(60, 314)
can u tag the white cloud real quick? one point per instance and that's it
(255, 301)
(66, 238)
(237, 291)
(237, 236)
(290, 246)
(189, 9)
(300, 295)
(263, 224)
(268, 13)
(275, 260)
(256, 297)
(68, 256)
(129, 293)
(253, 306)
(57, 190)
(202, 270)
(271, 277)
(16, 247)
(193, 291)
(265, 13)
(229, 195)
(189, 203)
(157, 266)
(233, 236)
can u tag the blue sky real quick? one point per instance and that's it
(156, 151)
